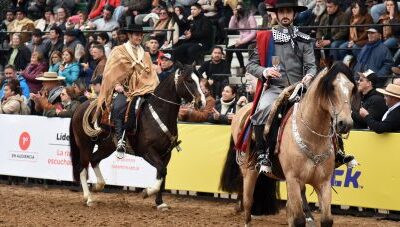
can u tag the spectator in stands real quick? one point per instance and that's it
(18, 55)
(391, 119)
(100, 5)
(190, 114)
(197, 39)
(3, 27)
(162, 23)
(181, 19)
(61, 18)
(23, 4)
(47, 21)
(375, 56)
(49, 96)
(104, 40)
(68, 104)
(56, 40)
(332, 37)
(317, 13)
(66, 5)
(106, 23)
(69, 68)
(72, 42)
(241, 18)
(80, 89)
(154, 50)
(114, 37)
(392, 16)
(213, 10)
(36, 9)
(11, 74)
(38, 45)
(357, 35)
(225, 108)
(21, 24)
(217, 71)
(12, 101)
(95, 86)
(378, 10)
(55, 61)
(371, 100)
(36, 68)
(166, 66)
(268, 18)
(98, 55)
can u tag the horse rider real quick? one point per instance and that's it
(128, 75)
(294, 62)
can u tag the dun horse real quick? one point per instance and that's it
(155, 138)
(306, 150)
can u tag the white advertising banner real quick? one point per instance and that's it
(38, 147)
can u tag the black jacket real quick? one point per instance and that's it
(374, 103)
(223, 118)
(390, 124)
(201, 29)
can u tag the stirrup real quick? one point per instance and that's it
(121, 149)
(263, 165)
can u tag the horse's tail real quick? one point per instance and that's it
(265, 196)
(231, 179)
(74, 153)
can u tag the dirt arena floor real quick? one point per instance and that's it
(38, 206)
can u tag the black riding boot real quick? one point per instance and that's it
(263, 162)
(341, 158)
(119, 134)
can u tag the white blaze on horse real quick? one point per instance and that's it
(156, 135)
(305, 152)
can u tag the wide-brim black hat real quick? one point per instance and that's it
(287, 4)
(134, 28)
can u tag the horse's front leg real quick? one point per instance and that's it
(86, 192)
(159, 200)
(294, 202)
(157, 186)
(324, 197)
(100, 183)
(249, 183)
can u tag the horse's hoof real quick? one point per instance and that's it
(90, 202)
(163, 207)
(247, 225)
(98, 187)
(145, 194)
(310, 222)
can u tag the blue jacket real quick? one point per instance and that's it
(22, 83)
(71, 73)
(55, 67)
(379, 60)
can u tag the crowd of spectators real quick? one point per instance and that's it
(57, 50)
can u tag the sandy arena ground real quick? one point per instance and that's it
(38, 206)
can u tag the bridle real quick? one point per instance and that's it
(176, 88)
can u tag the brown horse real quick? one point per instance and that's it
(306, 151)
(155, 138)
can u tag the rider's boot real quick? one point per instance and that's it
(120, 134)
(341, 158)
(264, 165)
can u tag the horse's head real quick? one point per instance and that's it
(337, 87)
(188, 86)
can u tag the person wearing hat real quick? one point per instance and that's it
(371, 100)
(128, 74)
(48, 97)
(375, 56)
(294, 61)
(390, 121)
(167, 66)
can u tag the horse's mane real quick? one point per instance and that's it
(325, 84)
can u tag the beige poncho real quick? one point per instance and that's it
(131, 67)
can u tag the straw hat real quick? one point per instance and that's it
(50, 76)
(390, 90)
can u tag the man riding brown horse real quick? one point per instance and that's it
(128, 75)
(293, 61)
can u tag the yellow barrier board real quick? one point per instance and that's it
(374, 184)
(199, 165)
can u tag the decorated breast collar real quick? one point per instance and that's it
(284, 36)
